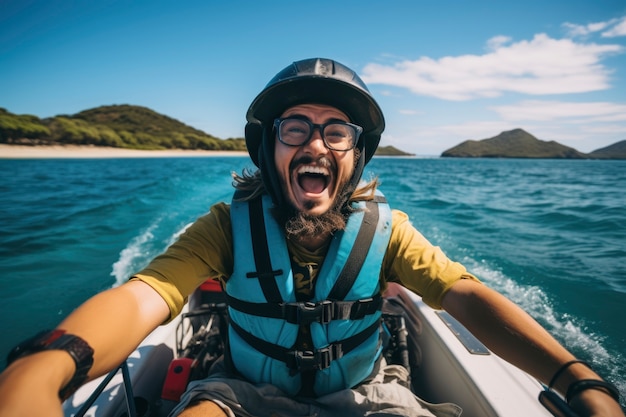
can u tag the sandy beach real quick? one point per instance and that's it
(78, 151)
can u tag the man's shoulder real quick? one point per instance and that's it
(219, 209)
(219, 213)
(398, 216)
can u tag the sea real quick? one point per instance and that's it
(548, 234)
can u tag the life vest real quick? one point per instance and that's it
(344, 315)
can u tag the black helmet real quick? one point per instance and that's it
(311, 81)
(316, 81)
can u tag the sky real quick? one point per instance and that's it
(443, 71)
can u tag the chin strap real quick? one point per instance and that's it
(359, 166)
(268, 169)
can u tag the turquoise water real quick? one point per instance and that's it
(549, 234)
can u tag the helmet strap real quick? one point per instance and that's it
(359, 166)
(267, 166)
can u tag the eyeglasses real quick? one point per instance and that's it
(337, 135)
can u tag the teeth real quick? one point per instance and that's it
(310, 169)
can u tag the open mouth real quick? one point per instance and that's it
(313, 179)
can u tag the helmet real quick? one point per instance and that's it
(315, 81)
(311, 81)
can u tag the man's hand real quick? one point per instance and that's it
(517, 338)
(596, 403)
(30, 385)
(113, 323)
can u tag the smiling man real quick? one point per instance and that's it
(304, 252)
(315, 157)
(314, 160)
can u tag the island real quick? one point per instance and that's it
(116, 126)
(120, 126)
(518, 143)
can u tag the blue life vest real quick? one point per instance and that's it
(343, 317)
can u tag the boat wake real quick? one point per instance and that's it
(140, 250)
(571, 331)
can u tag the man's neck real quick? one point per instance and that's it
(313, 243)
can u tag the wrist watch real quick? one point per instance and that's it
(58, 339)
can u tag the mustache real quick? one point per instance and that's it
(322, 161)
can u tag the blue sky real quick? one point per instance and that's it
(443, 71)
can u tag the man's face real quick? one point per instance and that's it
(312, 175)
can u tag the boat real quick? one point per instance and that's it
(446, 363)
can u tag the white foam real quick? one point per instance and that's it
(125, 265)
(139, 252)
(176, 235)
(571, 331)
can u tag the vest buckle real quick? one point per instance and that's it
(309, 360)
(328, 354)
(363, 307)
(306, 360)
(309, 312)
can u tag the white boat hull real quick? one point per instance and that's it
(483, 384)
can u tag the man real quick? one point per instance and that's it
(304, 233)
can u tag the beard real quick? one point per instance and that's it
(300, 225)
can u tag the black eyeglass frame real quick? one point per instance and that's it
(357, 132)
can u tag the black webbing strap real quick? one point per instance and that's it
(357, 256)
(264, 271)
(299, 360)
(379, 199)
(310, 312)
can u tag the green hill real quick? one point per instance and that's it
(391, 151)
(614, 151)
(515, 143)
(121, 126)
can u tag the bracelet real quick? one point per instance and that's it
(562, 369)
(585, 384)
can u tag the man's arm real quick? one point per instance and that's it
(113, 323)
(516, 337)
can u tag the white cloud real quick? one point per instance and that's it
(575, 30)
(540, 66)
(535, 110)
(610, 29)
(409, 112)
(469, 130)
(497, 41)
(618, 30)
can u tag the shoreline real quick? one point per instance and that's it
(92, 152)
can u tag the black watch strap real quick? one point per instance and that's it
(58, 339)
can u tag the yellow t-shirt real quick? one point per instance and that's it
(205, 251)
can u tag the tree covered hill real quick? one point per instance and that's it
(120, 126)
(518, 143)
(614, 151)
(515, 143)
(391, 151)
